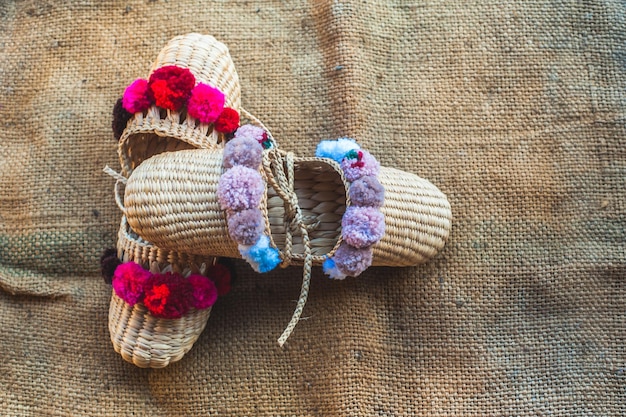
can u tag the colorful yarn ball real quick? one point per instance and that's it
(168, 296)
(367, 191)
(137, 97)
(228, 121)
(171, 86)
(252, 132)
(240, 188)
(335, 149)
(352, 261)
(244, 151)
(221, 276)
(359, 163)
(330, 268)
(261, 256)
(206, 103)
(130, 281)
(362, 226)
(246, 227)
(203, 290)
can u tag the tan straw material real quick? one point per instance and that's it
(141, 338)
(171, 200)
(157, 130)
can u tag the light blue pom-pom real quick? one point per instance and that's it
(330, 269)
(261, 257)
(335, 149)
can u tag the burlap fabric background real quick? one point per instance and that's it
(516, 110)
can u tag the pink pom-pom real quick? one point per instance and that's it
(130, 281)
(367, 192)
(243, 151)
(251, 131)
(206, 103)
(204, 291)
(359, 163)
(136, 97)
(246, 226)
(240, 188)
(352, 261)
(362, 226)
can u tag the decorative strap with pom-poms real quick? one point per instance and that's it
(240, 190)
(172, 88)
(170, 295)
(363, 224)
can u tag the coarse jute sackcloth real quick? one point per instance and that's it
(515, 109)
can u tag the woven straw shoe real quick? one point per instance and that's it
(157, 130)
(171, 200)
(138, 336)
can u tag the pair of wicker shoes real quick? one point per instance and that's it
(200, 186)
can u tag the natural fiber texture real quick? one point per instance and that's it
(514, 109)
(171, 200)
(158, 130)
(141, 338)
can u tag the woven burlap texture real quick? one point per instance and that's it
(514, 109)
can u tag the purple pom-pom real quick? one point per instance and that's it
(246, 227)
(359, 163)
(367, 192)
(251, 132)
(243, 151)
(352, 261)
(362, 226)
(240, 188)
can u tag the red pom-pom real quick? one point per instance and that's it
(221, 276)
(169, 296)
(171, 86)
(204, 291)
(228, 121)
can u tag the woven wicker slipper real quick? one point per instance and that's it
(158, 126)
(137, 335)
(171, 199)
(311, 211)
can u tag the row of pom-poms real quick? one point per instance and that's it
(363, 224)
(168, 295)
(171, 87)
(239, 192)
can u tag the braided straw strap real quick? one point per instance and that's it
(171, 200)
(158, 130)
(138, 336)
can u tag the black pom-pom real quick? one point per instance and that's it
(120, 119)
(230, 264)
(108, 263)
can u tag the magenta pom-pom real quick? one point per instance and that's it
(362, 226)
(206, 103)
(204, 293)
(244, 151)
(352, 261)
(136, 97)
(246, 227)
(130, 281)
(240, 188)
(367, 192)
(359, 163)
